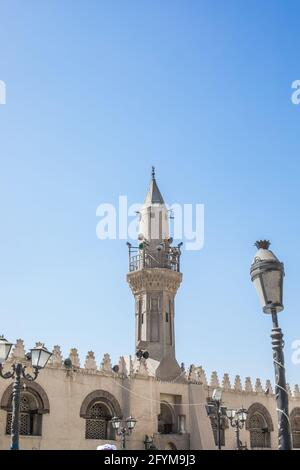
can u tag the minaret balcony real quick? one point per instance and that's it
(162, 257)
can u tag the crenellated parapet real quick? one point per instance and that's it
(133, 368)
(237, 386)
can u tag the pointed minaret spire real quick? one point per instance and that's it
(153, 195)
(154, 217)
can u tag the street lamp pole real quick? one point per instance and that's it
(123, 428)
(237, 420)
(267, 274)
(284, 431)
(237, 432)
(219, 430)
(39, 358)
(216, 411)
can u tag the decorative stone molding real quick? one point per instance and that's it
(131, 369)
(56, 358)
(226, 382)
(258, 386)
(147, 279)
(142, 368)
(202, 376)
(259, 408)
(237, 384)
(122, 367)
(32, 387)
(90, 362)
(196, 374)
(106, 364)
(100, 395)
(248, 385)
(296, 391)
(294, 414)
(214, 381)
(269, 387)
(193, 376)
(18, 350)
(74, 357)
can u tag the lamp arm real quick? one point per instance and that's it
(29, 377)
(7, 375)
(232, 422)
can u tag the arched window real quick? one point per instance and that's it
(259, 432)
(98, 408)
(30, 420)
(166, 419)
(295, 424)
(33, 404)
(259, 424)
(97, 424)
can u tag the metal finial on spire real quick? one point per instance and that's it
(153, 172)
(262, 244)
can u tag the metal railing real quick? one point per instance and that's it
(144, 259)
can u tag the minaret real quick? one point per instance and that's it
(154, 277)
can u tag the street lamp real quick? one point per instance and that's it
(267, 274)
(123, 428)
(216, 412)
(237, 420)
(39, 358)
(5, 348)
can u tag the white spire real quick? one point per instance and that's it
(153, 195)
(154, 218)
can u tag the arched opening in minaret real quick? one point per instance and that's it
(166, 419)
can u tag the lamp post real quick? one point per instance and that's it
(216, 411)
(237, 420)
(39, 358)
(267, 274)
(123, 428)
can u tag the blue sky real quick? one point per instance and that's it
(99, 91)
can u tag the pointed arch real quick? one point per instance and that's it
(261, 409)
(259, 424)
(43, 405)
(295, 425)
(103, 396)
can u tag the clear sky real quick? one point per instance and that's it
(97, 92)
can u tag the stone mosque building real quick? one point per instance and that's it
(70, 406)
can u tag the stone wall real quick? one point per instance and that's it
(133, 390)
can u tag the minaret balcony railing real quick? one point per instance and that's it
(142, 259)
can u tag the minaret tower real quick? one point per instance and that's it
(154, 277)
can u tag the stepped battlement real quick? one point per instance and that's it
(131, 367)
